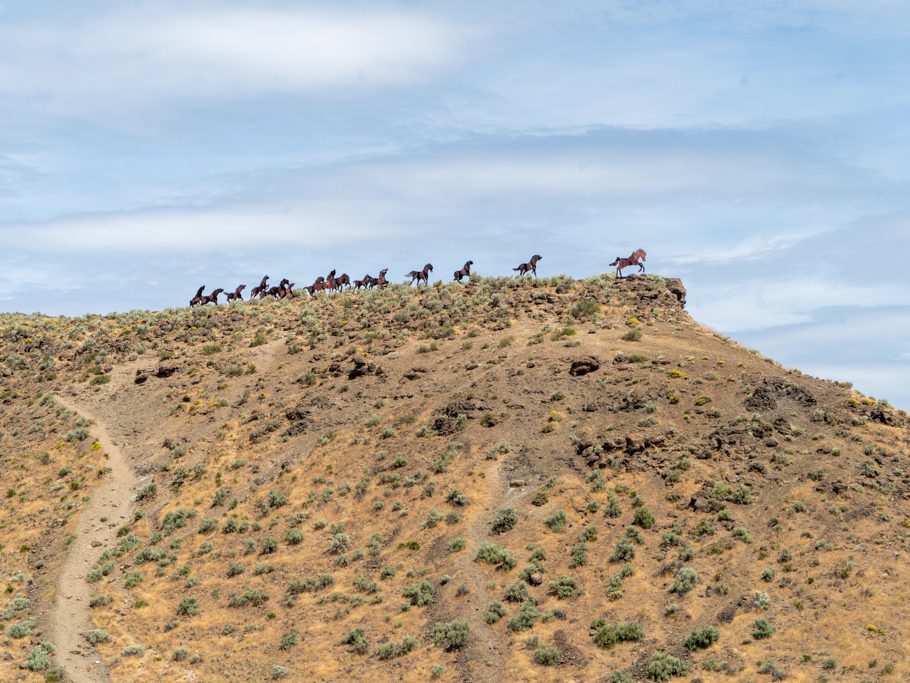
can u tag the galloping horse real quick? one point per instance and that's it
(638, 257)
(329, 281)
(529, 267)
(198, 299)
(341, 281)
(287, 292)
(380, 281)
(421, 275)
(236, 295)
(464, 272)
(212, 298)
(365, 283)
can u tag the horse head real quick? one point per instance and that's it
(641, 253)
(535, 258)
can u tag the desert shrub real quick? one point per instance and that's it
(147, 492)
(456, 497)
(249, 597)
(663, 667)
(235, 569)
(180, 654)
(632, 335)
(132, 579)
(293, 536)
(623, 551)
(97, 635)
(556, 521)
(761, 600)
(457, 544)
(420, 594)
(495, 612)
(132, 651)
(524, 617)
(702, 638)
(563, 587)
(20, 630)
(612, 508)
(762, 629)
(188, 607)
(643, 517)
(357, 641)
(546, 656)
(517, 592)
(504, 520)
(38, 658)
(499, 556)
(685, 580)
(606, 636)
(288, 640)
(450, 635)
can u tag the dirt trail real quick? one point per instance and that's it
(70, 617)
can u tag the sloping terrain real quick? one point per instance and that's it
(536, 480)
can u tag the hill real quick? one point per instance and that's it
(507, 480)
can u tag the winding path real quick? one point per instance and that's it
(70, 615)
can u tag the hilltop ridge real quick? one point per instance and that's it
(530, 480)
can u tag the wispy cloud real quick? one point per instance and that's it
(164, 50)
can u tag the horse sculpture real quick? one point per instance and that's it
(198, 299)
(236, 294)
(366, 283)
(638, 257)
(464, 272)
(419, 276)
(212, 298)
(260, 288)
(529, 267)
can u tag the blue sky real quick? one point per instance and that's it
(756, 149)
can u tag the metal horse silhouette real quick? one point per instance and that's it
(638, 258)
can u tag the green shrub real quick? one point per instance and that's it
(563, 587)
(633, 335)
(38, 658)
(524, 617)
(517, 592)
(685, 580)
(420, 594)
(450, 635)
(20, 630)
(97, 635)
(504, 520)
(643, 517)
(702, 638)
(357, 641)
(499, 556)
(762, 629)
(546, 656)
(188, 607)
(623, 551)
(606, 636)
(495, 612)
(663, 667)
(556, 522)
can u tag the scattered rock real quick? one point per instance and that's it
(582, 366)
(165, 371)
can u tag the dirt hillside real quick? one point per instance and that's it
(549, 480)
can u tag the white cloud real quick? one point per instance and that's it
(752, 304)
(148, 53)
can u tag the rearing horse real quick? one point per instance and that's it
(198, 299)
(421, 275)
(638, 257)
(464, 272)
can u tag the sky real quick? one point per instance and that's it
(756, 149)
